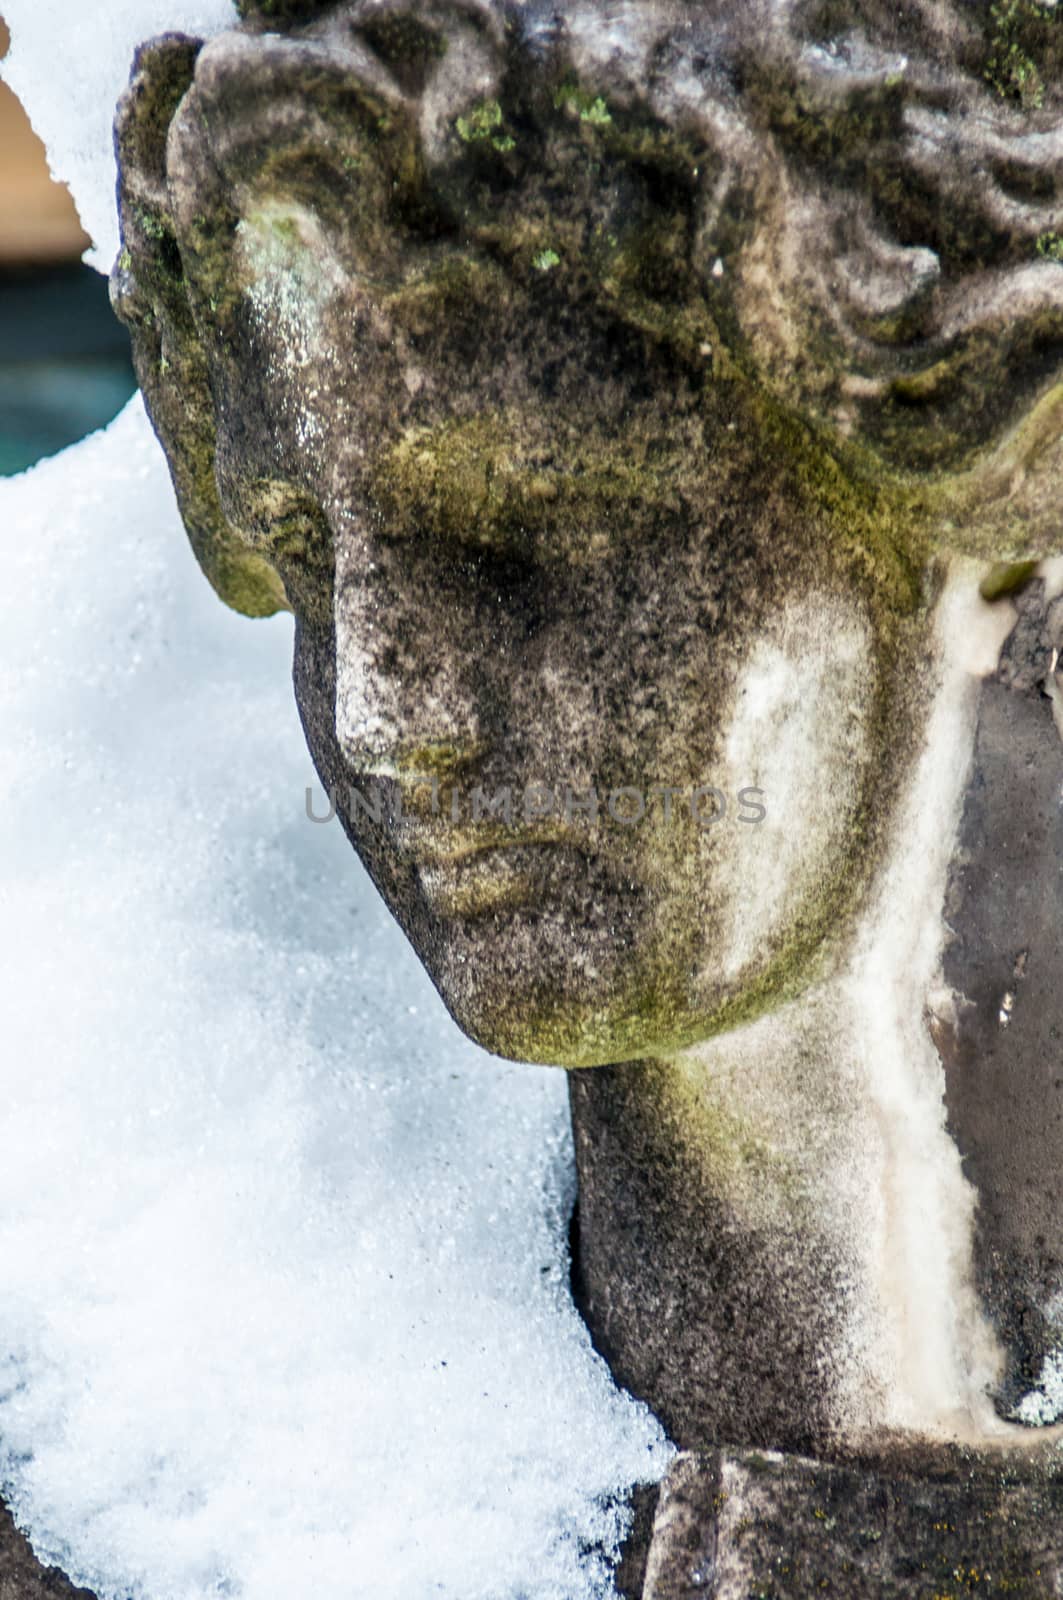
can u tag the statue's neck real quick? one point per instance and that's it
(777, 1238)
(774, 1242)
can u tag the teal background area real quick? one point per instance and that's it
(64, 361)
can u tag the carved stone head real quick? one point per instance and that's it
(603, 387)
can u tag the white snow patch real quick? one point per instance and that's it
(285, 1303)
(69, 62)
(1044, 1405)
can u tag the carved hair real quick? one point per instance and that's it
(857, 205)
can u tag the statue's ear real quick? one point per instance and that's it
(149, 294)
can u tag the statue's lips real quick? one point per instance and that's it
(439, 843)
(489, 877)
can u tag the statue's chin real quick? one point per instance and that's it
(574, 1022)
(569, 1040)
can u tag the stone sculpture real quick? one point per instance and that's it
(631, 401)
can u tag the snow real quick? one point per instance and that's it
(285, 1300)
(1043, 1406)
(68, 63)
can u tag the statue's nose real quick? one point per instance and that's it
(407, 667)
(396, 716)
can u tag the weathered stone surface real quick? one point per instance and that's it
(726, 1330)
(728, 1327)
(1003, 1046)
(731, 1525)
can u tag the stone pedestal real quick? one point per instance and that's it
(731, 1525)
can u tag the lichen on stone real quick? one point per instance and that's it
(484, 125)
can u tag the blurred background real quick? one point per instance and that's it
(64, 359)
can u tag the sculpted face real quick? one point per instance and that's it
(596, 464)
(571, 688)
(585, 712)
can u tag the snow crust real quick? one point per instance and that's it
(285, 1303)
(68, 63)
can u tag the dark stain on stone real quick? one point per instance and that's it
(1003, 1054)
(629, 1578)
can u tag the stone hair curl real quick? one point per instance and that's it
(855, 207)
